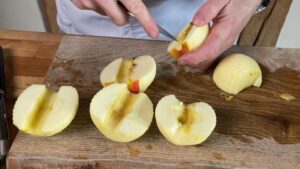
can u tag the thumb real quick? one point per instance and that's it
(208, 11)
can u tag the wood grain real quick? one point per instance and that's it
(24, 51)
(249, 35)
(28, 55)
(35, 36)
(256, 129)
(264, 28)
(49, 10)
(273, 24)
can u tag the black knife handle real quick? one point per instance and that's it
(3, 129)
(2, 78)
(3, 120)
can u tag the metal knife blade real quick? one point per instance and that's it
(173, 15)
(165, 32)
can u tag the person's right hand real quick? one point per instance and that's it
(116, 10)
(229, 18)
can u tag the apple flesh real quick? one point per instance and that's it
(120, 115)
(189, 38)
(184, 125)
(41, 112)
(237, 72)
(138, 73)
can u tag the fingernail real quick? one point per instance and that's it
(154, 33)
(198, 22)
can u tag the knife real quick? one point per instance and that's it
(3, 121)
(173, 15)
(161, 30)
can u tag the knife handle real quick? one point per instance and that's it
(3, 120)
(2, 78)
(3, 129)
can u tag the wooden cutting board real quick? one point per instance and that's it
(255, 129)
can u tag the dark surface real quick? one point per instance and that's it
(3, 120)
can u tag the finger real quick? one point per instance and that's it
(220, 38)
(140, 11)
(88, 4)
(114, 11)
(208, 11)
(79, 4)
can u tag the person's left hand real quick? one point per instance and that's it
(229, 18)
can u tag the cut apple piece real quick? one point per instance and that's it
(237, 72)
(41, 112)
(137, 73)
(189, 39)
(120, 115)
(184, 125)
(175, 49)
(184, 32)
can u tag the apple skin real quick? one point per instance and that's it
(134, 86)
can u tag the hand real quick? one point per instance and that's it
(117, 11)
(229, 18)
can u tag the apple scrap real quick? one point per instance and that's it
(288, 97)
(41, 112)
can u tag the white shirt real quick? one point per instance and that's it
(73, 20)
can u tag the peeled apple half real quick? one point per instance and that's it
(237, 72)
(189, 38)
(42, 112)
(138, 73)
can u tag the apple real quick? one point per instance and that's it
(189, 38)
(41, 112)
(237, 72)
(184, 124)
(120, 115)
(138, 73)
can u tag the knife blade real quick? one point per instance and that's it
(173, 15)
(165, 32)
(161, 30)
